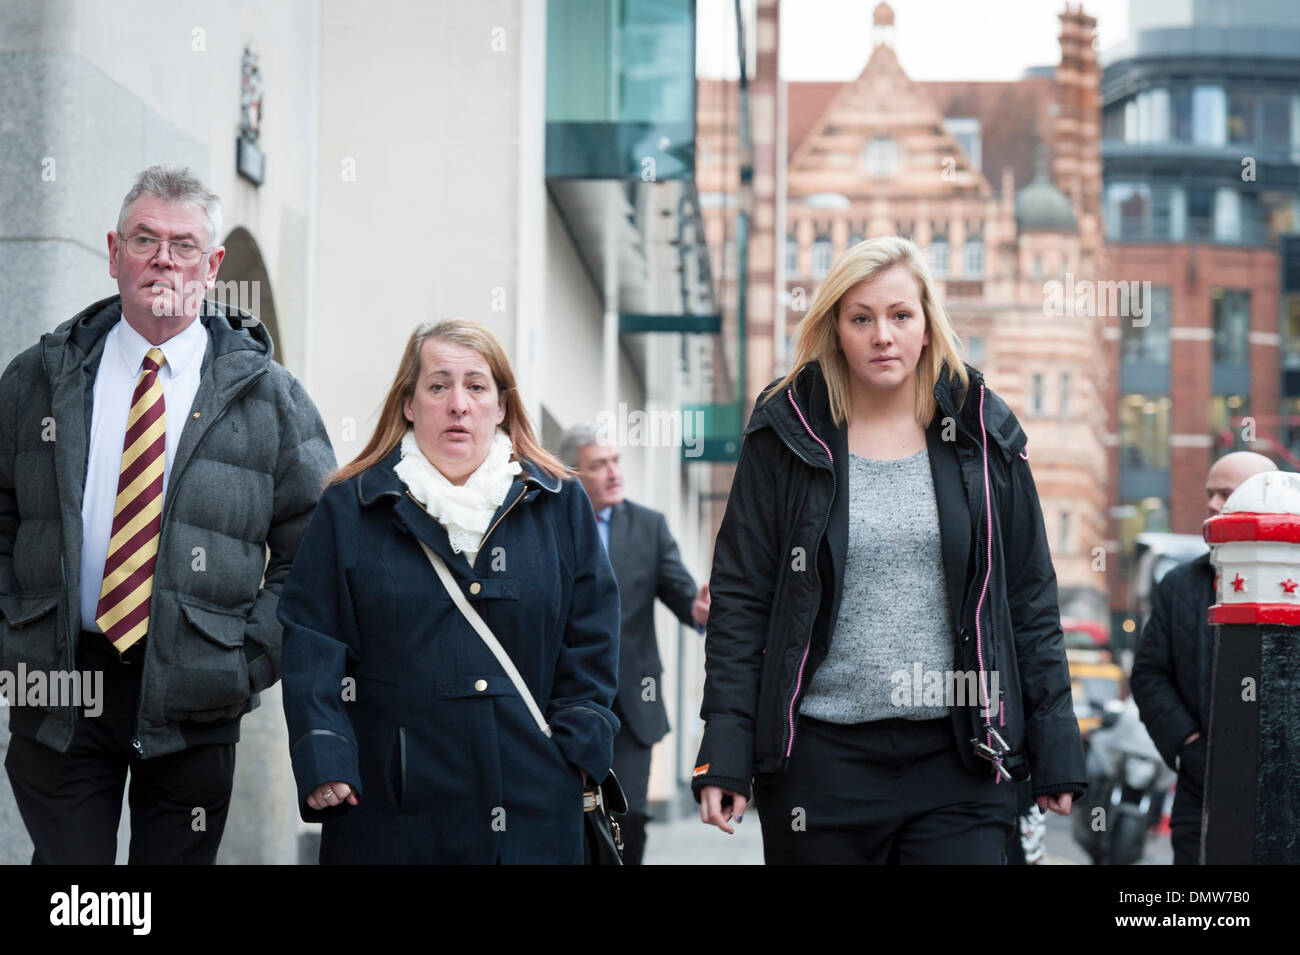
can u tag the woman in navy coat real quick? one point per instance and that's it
(408, 740)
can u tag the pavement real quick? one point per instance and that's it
(684, 840)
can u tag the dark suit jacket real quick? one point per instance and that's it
(647, 565)
(1172, 670)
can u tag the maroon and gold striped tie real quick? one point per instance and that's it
(123, 611)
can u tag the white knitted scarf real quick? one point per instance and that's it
(465, 509)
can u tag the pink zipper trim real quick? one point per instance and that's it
(798, 682)
(988, 568)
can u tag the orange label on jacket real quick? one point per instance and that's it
(700, 770)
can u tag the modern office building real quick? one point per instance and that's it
(1201, 165)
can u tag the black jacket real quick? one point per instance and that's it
(771, 619)
(1171, 673)
(648, 566)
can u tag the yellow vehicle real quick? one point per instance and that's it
(1094, 681)
(1095, 678)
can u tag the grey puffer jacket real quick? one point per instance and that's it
(247, 474)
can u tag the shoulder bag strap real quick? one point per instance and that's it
(480, 627)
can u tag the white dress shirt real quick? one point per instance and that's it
(119, 369)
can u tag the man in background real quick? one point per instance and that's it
(647, 566)
(1172, 678)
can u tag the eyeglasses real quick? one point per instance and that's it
(145, 247)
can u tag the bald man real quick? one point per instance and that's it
(1171, 674)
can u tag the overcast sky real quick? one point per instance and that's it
(934, 39)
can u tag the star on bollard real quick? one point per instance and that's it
(1289, 586)
(1238, 583)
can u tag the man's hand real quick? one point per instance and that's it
(711, 811)
(1059, 803)
(331, 794)
(700, 609)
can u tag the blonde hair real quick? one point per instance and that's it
(393, 425)
(819, 338)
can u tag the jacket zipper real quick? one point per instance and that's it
(63, 567)
(988, 569)
(798, 682)
(136, 743)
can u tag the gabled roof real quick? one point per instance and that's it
(882, 102)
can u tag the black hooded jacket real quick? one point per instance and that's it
(777, 580)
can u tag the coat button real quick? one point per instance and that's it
(475, 587)
(480, 685)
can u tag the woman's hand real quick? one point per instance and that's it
(1059, 803)
(711, 811)
(331, 794)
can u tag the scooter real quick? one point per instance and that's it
(1127, 781)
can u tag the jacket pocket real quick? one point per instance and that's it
(29, 631)
(209, 679)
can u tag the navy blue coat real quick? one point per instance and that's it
(389, 689)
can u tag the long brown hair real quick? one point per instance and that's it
(819, 338)
(392, 426)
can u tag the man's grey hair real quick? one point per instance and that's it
(175, 184)
(575, 439)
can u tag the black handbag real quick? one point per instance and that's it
(602, 836)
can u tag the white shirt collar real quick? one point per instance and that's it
(179, 350)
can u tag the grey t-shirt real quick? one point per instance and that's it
(892, 647)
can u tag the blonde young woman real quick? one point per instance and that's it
(884, 659)
(409, 740)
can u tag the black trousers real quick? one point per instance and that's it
(888, 791)
(1185, 823)
(632, 766)
(71, 802)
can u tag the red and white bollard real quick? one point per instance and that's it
(1252, 780)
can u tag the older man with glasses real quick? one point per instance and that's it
(157, 471)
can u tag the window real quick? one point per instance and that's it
(1065, 394)
(791, 256)
(967, 133)
(1291, 334)
(1038, 266)
(1227, 215)
(1200, 214)
(821, 257)
(1128, 210)
(975, 349)
(1036, 396)
(1275, 122)
(1209, 115)
(1168, 212)
(1227, 426)
(881, 157)
(1144, 333)
(939, 257)
(1153, 116)
(1241, 117)
(1180, 108)
(1144, 431)
(1065, 532)
(1231, 311)
(973, 258)
(1135, 517)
